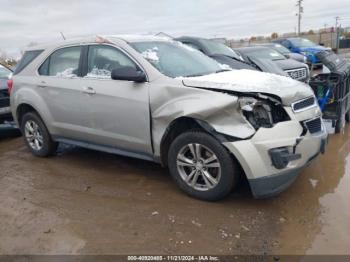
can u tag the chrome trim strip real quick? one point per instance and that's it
(301, 73)
(305, 108)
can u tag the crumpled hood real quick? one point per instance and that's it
(243, 81)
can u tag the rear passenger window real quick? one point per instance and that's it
(103, 59)
(62, 63)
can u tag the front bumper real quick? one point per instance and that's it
(254, 155)
(5, 110)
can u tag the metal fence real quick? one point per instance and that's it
(325, 38)
(344, 43)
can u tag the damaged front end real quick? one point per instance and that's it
(260, 129)
(262, 113)
(225, 114)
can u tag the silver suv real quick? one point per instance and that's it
(156, 99)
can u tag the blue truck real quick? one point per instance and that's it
(305, 47)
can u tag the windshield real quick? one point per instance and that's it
(265, 53)
(216, 48)
(4, 72)
(174, 59)
(302, 42)
(281, 49)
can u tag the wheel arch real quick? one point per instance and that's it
(28, 100)
(22, 109)
(181, 125)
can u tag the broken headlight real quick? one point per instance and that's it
(261, 113)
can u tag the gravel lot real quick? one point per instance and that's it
(87, 202)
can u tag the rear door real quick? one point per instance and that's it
(59, 85)
(119, 109)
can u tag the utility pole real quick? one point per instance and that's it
(337, 33)
(300, 11)
(324, 32)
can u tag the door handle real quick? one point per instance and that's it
(89, 91)
(42, 84)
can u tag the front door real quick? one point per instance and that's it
(119, 110)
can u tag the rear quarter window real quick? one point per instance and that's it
(27, 58)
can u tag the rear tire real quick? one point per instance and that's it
(347, 116)
(36, 135)
(201, 166)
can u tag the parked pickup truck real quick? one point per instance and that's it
(5, 111)
(156, 99)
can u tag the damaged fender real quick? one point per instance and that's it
(218, 109)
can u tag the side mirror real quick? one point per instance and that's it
(128, 73)
(287, 56)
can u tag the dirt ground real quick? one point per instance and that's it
(87, 202)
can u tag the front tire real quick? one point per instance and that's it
(201, 166)
(36, 136)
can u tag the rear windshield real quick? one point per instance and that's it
(216, 48)
(281, 49)
(302, 42)
(27, 58)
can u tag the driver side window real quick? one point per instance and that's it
(103, 59)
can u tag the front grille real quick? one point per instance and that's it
(314, 126)
(303, 104)
(298, 74)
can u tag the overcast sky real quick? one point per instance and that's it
(25, 21)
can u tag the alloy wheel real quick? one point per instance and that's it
(199, 167)
(33, 135)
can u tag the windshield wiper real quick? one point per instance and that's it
(222, 70)
(239, 60)
(194, 75)
(225, 55)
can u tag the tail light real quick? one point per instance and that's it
(9, 85)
